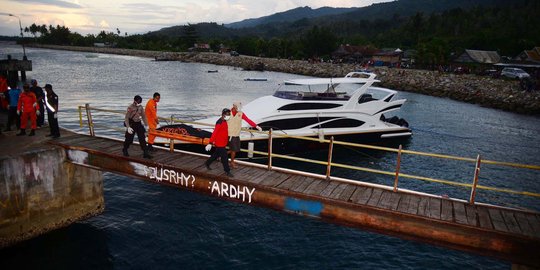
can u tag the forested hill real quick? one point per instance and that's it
(436, 29)
(290, 16)
(444, 25)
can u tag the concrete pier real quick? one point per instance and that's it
(39, 190)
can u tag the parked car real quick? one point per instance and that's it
(234, 53)
(490, 72)
(515, 73)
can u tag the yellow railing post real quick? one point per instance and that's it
(270, 149)
(475, 180)
(330, 152)
(398, 167)
(80, 117)
(90, 122)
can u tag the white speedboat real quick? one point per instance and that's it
(348, 108)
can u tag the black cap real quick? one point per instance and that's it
(48, 86)
(138, 99)
(225, 111)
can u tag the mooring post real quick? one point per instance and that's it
(80, 117)
(90, 122)
(270, 149)
(398, 167)
(475, 180)
(330, 151)
(171, 141)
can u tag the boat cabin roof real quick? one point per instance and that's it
(326, 81)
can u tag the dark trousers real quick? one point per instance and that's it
(138, 129)
(53, 124)
(13, 117)
(41, 116)
(222, 153)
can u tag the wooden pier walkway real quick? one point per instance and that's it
(507, 234)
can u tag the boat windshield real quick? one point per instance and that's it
(317, 92)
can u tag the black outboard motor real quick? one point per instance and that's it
(395, 120)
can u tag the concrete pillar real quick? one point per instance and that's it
(40, 192)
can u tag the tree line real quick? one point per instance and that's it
(436, 37)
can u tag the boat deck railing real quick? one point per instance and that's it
(473, 185)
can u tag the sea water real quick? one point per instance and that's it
(148, 226)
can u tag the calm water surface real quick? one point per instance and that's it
(150, 226)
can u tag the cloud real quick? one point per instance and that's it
(104, 24)
(56, 3)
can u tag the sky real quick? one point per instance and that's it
(138, 16)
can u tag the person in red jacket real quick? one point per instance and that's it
(219, 139)
(28, 106)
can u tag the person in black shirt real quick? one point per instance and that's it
(51, 102)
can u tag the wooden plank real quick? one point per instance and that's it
(534, 222)
(180, 162)
(413, 204)
(159, 156)
(75, 140)
(357, 193)
(394, 201)
(384, 201)
(511, 222)
(303, 184)
(256, 175)
(347, 193)
(291, 182)
(470, 210)
(277, 180)
(242, 172)
(483, 218)
(261, 177)
(364, 197)
(404, 203)
(524, 224)
(497, 220)
(375, 196)
(459, 212)
(423, 207)
(329, 189)
(337, 191)
(318, 188)
(446, 210)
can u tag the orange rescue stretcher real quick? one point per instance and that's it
(180, 137)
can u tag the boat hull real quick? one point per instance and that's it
(293, 145)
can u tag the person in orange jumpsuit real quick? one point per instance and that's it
(29, 108)
(151, 116)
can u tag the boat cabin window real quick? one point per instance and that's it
(311, 95)
(308, 106)
(295, 123)
(365, 98)
(342, 123)
(341, 92)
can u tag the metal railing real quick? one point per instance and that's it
(397, 174)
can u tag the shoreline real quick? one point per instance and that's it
(485, 91)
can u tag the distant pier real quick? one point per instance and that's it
(11, 68)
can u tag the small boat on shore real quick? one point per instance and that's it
(256, 79)
(349, 109)
(213, 71)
